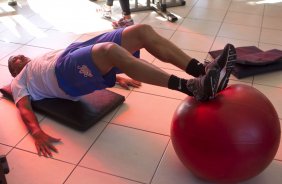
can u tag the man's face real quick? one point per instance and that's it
(17, 63)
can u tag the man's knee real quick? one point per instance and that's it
(102, 54)
(143, 30)
(144, 27)
(105, 48)
(142, 34)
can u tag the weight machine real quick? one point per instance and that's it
(4, 169)
(159, 6)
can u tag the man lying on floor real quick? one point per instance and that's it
(84, 67)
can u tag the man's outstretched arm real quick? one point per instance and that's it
(43, 142)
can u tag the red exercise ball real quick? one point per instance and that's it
(228, 139)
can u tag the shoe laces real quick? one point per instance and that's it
(206, 62)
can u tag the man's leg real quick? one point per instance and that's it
(108, 55)
(143, 36)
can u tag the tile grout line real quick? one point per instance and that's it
(139, 129)
(222, 22)
(160, 161)
(94, 141)
(110, 174)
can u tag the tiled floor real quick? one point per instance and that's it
(132, 144)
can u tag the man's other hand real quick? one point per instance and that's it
(44, 143)
(127, 82)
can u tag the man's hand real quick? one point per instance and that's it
(43, 143)
(125, 82)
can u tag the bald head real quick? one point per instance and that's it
(17, 63)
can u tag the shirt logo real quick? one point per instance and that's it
(85, 71)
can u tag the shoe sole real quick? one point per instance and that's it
(227, 68)
(213, 76)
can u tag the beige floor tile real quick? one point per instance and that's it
(171, 170)
(200, 56)
(240, 32)
(164, 65)
(245, 82)
(24, 8)
(157, 21)
(271, 36)
(199, 26)
(160, 91)
(16, 130)
(77, 17)
(4, 149)
(40, 22)
(274, 95)
(6, 77)
(88, 176)
(272, 22)
(273, 11)
(138, 17)
(28, 51)
(278, 155)
(20, 30)
(191, 2)
(126, 152)
(153, 113)
(213, 4)
(243, 19)
(191, 41)
(266, 46)
(7, 48)
(207, 14)
(2, 27)
(144, 54)
(73, 145)
(246, 7)
(182, 11)
(166, 33)
(220, 42)
(9, 114)
(54, 39)
(165, 92)
(269, 79)
(31, 169)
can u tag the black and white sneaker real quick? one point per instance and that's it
(204, 87)
(225, 63)
(106, 12)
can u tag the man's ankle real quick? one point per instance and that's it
(127, 17)
(176, 83)
(195, 68)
